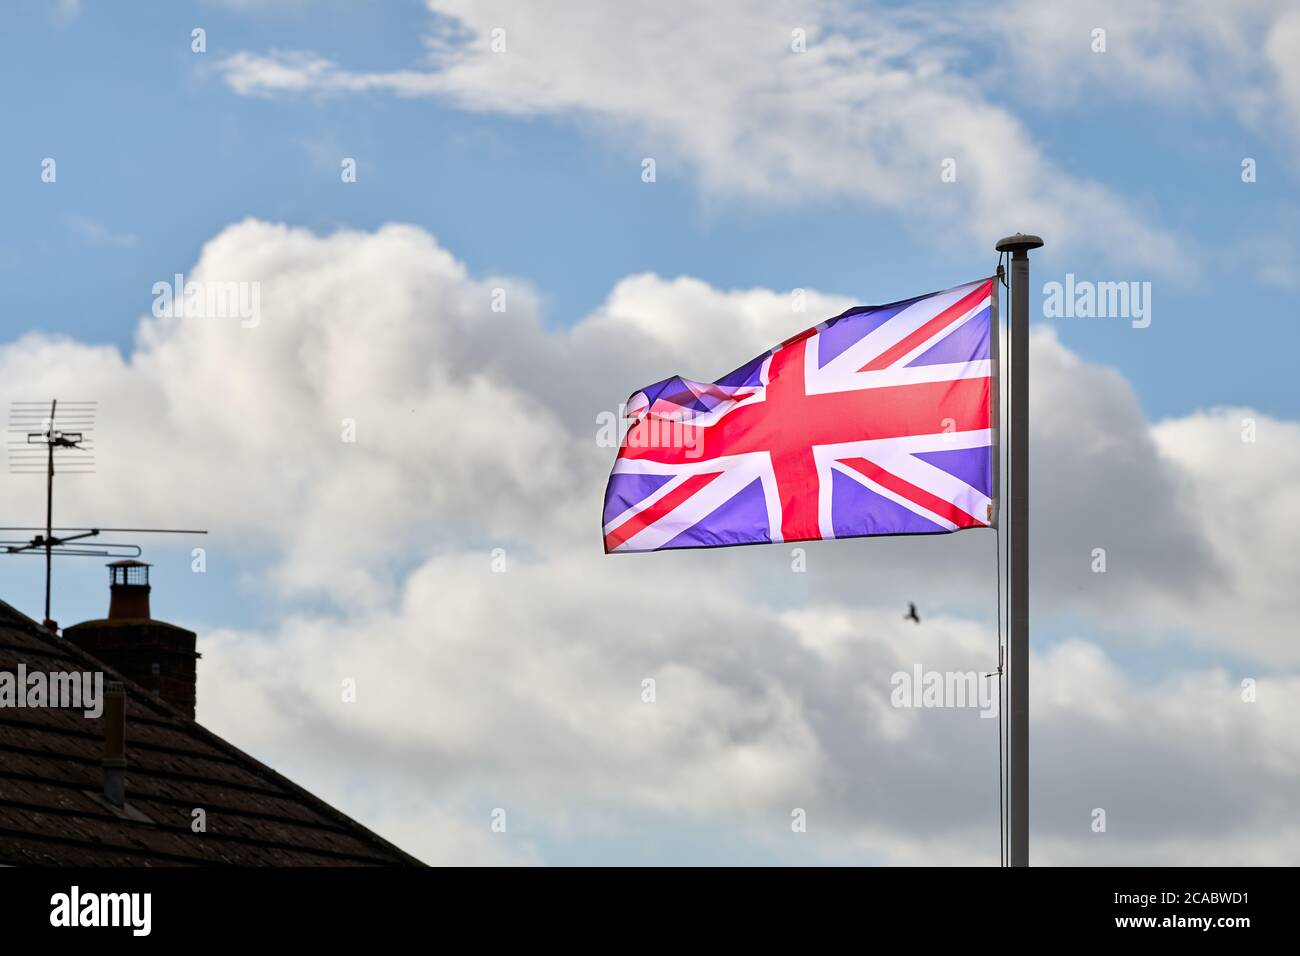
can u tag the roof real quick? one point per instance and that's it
(51, 778)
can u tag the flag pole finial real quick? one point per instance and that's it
(1020, 243)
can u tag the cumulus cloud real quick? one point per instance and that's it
(521, 688)
(861, 112)
(1240, 469)
(508, 697)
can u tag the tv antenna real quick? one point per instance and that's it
(67, 442)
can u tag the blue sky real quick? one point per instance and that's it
(160, 151)
(156, 154)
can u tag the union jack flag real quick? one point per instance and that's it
(878, 421)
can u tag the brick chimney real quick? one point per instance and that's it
(158, 656)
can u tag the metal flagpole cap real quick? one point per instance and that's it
(1018, 243)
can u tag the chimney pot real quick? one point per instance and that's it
(128, 590)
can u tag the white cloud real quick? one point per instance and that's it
(1240, 468)
(521, 690)
(865, 112)
(1181, 54)
(474, 426)
(511, 698)
(1283, 53)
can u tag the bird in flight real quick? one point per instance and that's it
(911, 614)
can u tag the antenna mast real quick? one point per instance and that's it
(25, 460)
(24, 415)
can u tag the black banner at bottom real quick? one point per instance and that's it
(1152, 905)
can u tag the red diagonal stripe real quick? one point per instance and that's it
(650, 515)
(947, 316)
(906, 489)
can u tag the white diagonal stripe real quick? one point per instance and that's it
(738, 471)
(896, 328)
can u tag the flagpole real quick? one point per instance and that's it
(1018, 559)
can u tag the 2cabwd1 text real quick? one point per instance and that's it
(1186, 898)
